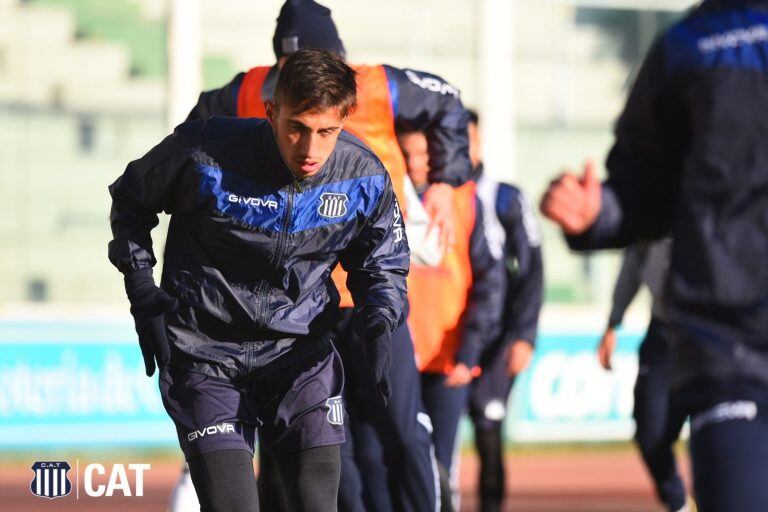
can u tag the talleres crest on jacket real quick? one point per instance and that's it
(332, 205)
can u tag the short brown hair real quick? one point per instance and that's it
(313, 79)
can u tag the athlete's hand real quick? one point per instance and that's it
(149, 303)
(461, 375)
(606, 348)
(376, 332)
(573, 202)
(519, 355)
(438, 201)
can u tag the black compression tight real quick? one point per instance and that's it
(311, 478)
(490, 448)
(224, 481)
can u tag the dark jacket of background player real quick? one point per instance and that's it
(691, 160)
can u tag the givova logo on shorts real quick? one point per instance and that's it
(332, 205)
(221, 428)
(335, 410)
(50, 479)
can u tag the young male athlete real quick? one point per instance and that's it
(261, 213)
(690, 161)
(514, 238)
(404, 476)
(658, 418)
(455, 306)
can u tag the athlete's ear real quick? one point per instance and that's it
(271, 110)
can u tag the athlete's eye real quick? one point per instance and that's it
(296, 127)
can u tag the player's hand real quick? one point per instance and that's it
(573, 202)
(376, 332)
(438, 202)
(606, 348)
(153, 343)
(519, 355)
(461, 375)
(149, 304)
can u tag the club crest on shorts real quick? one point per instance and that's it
(335, 410)
(332, 205)
(51, 480)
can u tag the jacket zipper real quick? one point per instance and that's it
(279, 252)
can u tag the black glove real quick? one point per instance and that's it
(375, 330)
(148, 305)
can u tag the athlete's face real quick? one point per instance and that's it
(414, 147)
(306, 139)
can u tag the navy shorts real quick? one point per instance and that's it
(298, 408)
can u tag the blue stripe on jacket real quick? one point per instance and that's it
(259, 206)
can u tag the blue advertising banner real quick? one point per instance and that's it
(82, 382)
(565, 395)
(68, 383)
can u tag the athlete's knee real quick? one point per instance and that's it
(650, 439)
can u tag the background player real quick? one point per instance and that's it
(515, 239)
(690, 160)
(658, 418)
(455, 306)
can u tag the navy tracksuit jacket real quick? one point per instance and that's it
(250, 250)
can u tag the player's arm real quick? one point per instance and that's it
(627, 282)
(481, 318)
(218, 102)
(377, 259)
(377, 263)
(624, 291)
(639, 197)
(526, 286)
(159, 181)
(524, 245)
(427, 103)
